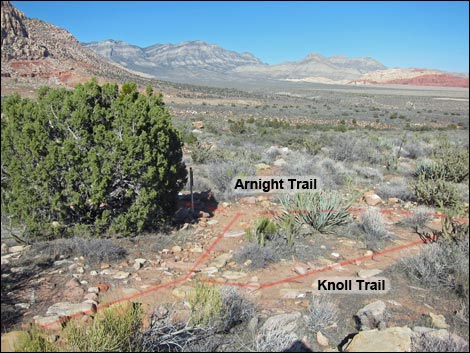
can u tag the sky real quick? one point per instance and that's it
(428, 34)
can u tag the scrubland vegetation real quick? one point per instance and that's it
(79, 167)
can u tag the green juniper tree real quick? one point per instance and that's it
(95, 158)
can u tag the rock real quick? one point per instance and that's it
(212, 222)
(368, 273)
(438, 321)
(262, 166)
(121, 275)
(198, 124)
(62, 262)
(232, 275)
(93, 290)
(392, 339)
(18, 248)
(280, 162)
(288, 322)
(73, 294)
(93, 273)
(234, 234)
(371, 316)
(335, 254)
(103, 287)
(54, 322)
(322, 340)
(140, 261)
(221, 260)
(137, 266)
(209, 270)
(183, 292)
(73, 283)
(176, 249)
(22, 305)
(372, 199)
(11, 339)
(249, 200)
(196, 249)
(104, 266)
(392, 201)
(289, 293)
(4, 261)
(70, 309)
(203, 214)
(253, 324)
(301, 269)
(91, 296)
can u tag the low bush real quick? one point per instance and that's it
(436, 192)
(206, 305)
(321, 313)
(114, 329)
(427, 342)
(398, 188)
(373, 228)
(94, 250)
(260, 256)
(419, 217)
(443, 264)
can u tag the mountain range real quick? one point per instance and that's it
(33, 49)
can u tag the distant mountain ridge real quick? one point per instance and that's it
(33, 50)
(198, 59)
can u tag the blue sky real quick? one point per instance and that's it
(399, 34)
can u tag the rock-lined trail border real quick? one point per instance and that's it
(207, 252)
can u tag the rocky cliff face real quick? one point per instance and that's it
(16, 40)
(34, 49)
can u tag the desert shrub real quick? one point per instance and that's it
(237, 127)
(398, 188)
(206, 305)
(221, 174)
(201, 153)
(443, 264)
(375, 233)
(419, 217)
(260, 256)
(321, 313)
(448, 164)
(351, 147)
(436, 192)
(274, 339)
(334, 174)
(166, 334)
(320, 210)
(299, 163)
(453, 163)
(35, 340)
(264, 229)
(114, 329)
(94, 250)
(428, 342)
(191, 139)
(235, 308)
(97, 157)
(369, 173)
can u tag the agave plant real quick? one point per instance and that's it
(320, 210)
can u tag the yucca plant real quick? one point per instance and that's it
(320, 210)
(264, 229)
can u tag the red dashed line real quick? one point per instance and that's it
(252, 286)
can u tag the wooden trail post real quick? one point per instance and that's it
(191, 188)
